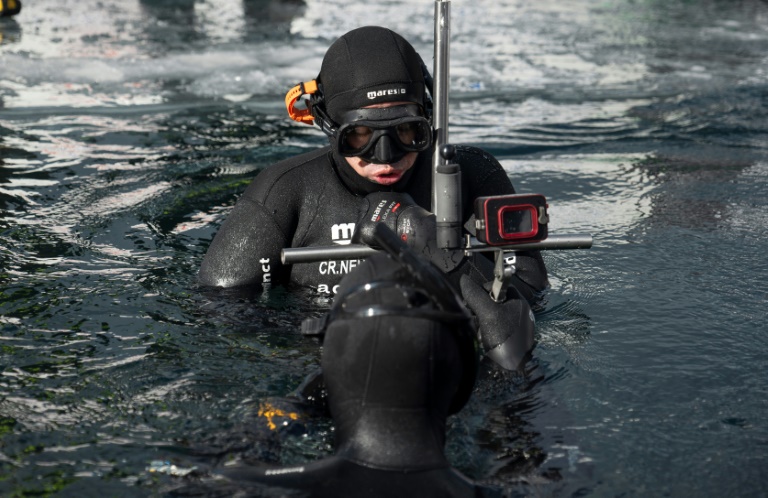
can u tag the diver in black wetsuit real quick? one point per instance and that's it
(371, 99)
(399, 356)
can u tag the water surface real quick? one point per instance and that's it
(128, 130)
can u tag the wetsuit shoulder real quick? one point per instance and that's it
(481, 173)
(246, 250)
(290, 191)
(285, 180)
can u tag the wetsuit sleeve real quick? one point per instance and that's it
(246, 250)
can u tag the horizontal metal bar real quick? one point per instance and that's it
(553, 242)
(293, 255)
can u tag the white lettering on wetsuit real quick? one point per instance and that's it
(341, 233)
(323, 289)
(290, 470)
(266, 268)
(338, 267)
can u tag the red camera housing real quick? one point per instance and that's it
(511, 219)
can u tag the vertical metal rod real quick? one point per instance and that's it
(446, 174)
(441, 77)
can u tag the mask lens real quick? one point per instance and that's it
(413, 135)
(356, 138)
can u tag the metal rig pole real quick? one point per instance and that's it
(446, 175)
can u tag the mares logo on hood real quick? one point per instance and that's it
(367, 64)
(383, 93)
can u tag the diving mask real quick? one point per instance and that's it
(383, 135)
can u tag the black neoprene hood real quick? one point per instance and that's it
(367, 66)
(448, 371)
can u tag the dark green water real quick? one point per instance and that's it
(128, 129)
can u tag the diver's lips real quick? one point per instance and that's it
(389, 176)
(385, 174)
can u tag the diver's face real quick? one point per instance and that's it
(383, 174)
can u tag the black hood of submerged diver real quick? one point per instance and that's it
(393, 379)
(367, 66)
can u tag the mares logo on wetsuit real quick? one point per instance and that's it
(341, 233)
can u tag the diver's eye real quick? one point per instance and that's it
(358, 137)
(406, 132)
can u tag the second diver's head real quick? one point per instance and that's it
(398, 358)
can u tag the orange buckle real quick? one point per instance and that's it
(294, 94)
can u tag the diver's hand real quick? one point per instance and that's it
(399, 212)
(413, 224)
(506, 328)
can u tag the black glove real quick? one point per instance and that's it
(413, 224)
(506, 328)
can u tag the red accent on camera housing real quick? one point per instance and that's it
(493, 222)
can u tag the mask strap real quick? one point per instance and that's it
(293, 95)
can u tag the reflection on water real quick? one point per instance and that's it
(128, 130)
(10, 31)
